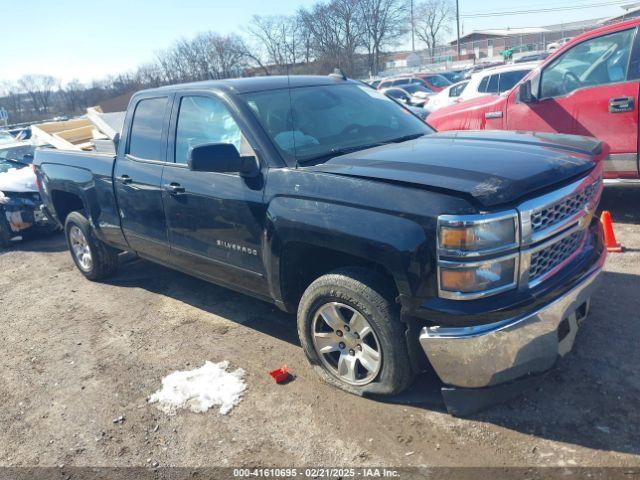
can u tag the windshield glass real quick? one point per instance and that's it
(314, 123)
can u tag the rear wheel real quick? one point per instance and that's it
(94, 259)
(350, 330)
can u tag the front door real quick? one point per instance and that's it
(592, 89)
(215, 220)
(138, 177)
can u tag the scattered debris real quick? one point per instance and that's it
(603, 429)
(200, 389)
(120, 420)
(280, 375)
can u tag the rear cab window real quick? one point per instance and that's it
(145, 139)
(492, 86)
(508, 80)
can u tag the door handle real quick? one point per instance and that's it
(174, 188)
(126, 179)
(621, 104)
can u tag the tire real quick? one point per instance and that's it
(352, 291)
(6, 234)
(102, 261)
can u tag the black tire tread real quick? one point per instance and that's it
(105, 258)
(352, 284)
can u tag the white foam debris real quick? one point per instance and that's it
(200, 389)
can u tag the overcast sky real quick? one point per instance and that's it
(87, 39)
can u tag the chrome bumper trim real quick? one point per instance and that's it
(487, 355)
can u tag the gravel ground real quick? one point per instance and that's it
(76, 355)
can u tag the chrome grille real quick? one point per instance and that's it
(562, 210)
(545, 260)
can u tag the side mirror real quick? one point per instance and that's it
(221, 158)
(524, 92)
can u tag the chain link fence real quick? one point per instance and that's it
(489, 50)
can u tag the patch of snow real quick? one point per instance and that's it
(200, 389)
(18, 180)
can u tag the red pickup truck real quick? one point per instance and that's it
(589, 87)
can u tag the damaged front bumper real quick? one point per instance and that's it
(474, 360)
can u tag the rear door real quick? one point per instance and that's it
(591, 89)
(215, 220)
(138, 177)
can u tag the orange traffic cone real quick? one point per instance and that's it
(609, 237)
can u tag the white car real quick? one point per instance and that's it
(496, 80)
(552, 47)
(448, 96)
(410, 94)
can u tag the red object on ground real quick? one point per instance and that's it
(280, 375)
(609, 237)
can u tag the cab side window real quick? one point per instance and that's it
(146, 129)
(598, 61)
(483, 84)
(203, 120)
(492, 86)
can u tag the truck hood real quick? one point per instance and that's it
(493, 168)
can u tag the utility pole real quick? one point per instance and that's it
(413, 37)
(458, 26)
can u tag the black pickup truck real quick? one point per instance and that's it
(400, 249)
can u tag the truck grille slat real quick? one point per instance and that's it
(545, 260)
(567, 207)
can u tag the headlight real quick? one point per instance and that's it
(477, 234)
(473, 280)
(477, 254)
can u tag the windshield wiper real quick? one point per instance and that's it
(336, 152)
(406, 138)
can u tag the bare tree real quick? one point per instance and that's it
(432, 20)
(73, 95)
(39, 88)
(277, 35)
(336, 32)
(385, 22)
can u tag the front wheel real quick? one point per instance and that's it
(94, 259)
(350, 330)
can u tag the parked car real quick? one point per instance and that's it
(396, 247)
(590, 87)
(532, 57)
(21, 209)
(553, 46)
(478, 67)
(6, 137)
(410, 94)
(453, 76)
(448, 96)
(495, 81)
(374, 83)
(433, 82)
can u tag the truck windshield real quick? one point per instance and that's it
(314, 123)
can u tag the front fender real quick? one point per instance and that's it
(398, 244)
